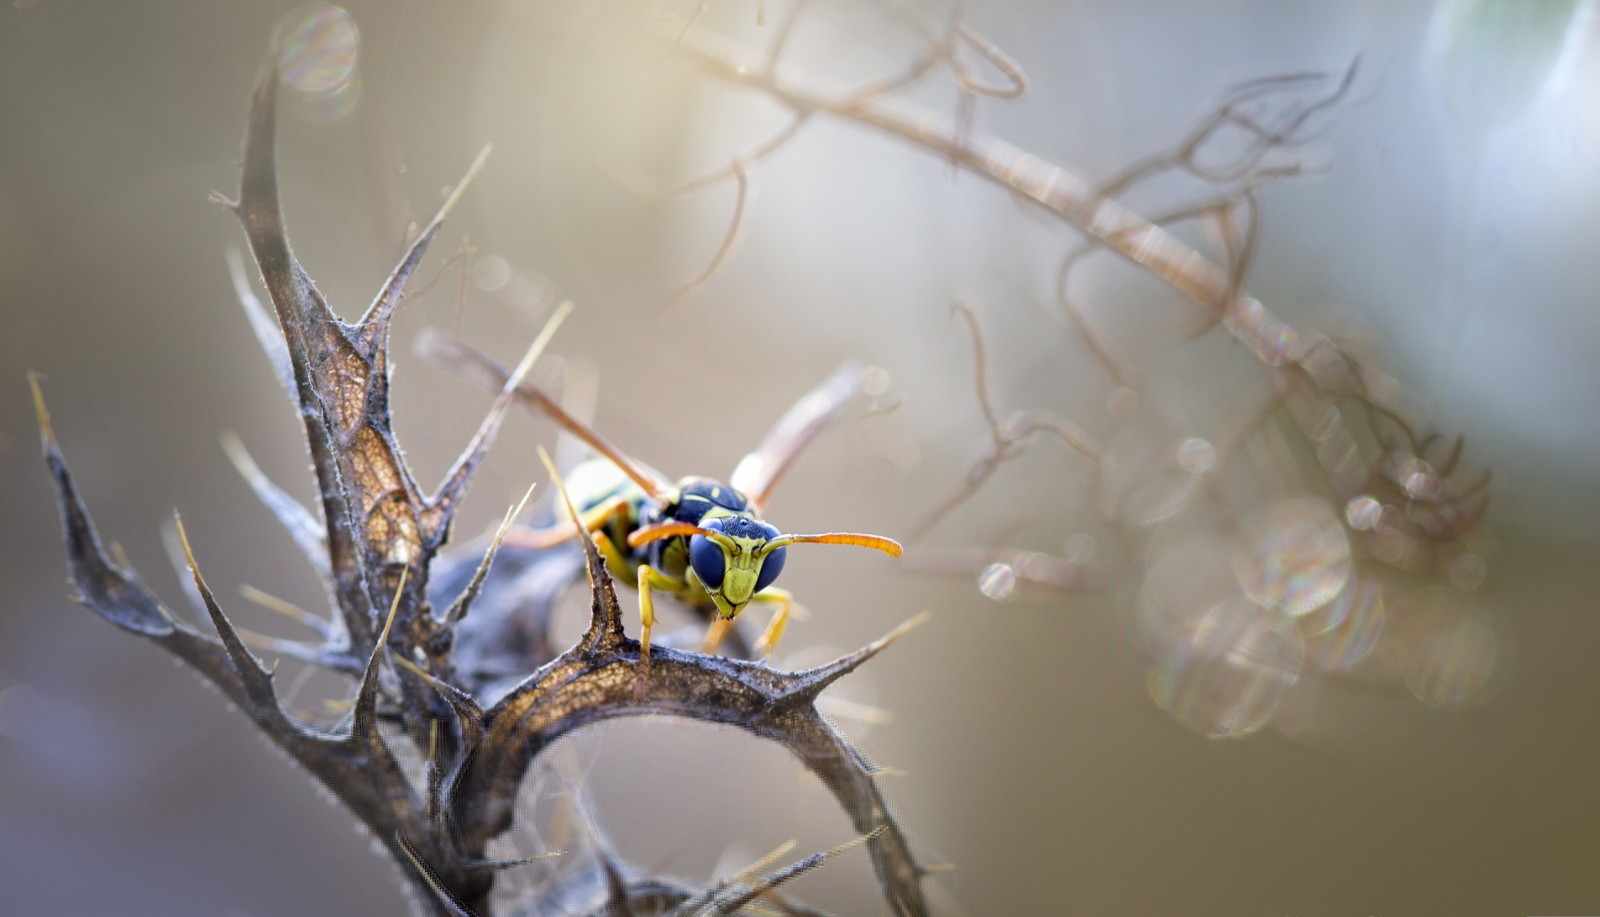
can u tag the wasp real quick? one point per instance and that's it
(698, 539)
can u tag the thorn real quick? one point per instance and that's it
(240, 456)
(454, 907)
(366, 700)
(467, 709)
(394, 606)
(463, 603)
(616, 888)
(605, 627)
(869, 836)
(809, 683)
(514, 512)
(498, 865)
(840, 708)
(905, 627)
(287, 609)
(306, 530)
(536, 349)
(478, 163)
(456, 480)
(374, 323)
(180, 565)
(794, 870)
(511, 513)
(779, 852)
(269, 335)
(112, 592)
(256, 639)
(253, 677)
(307, 653)
(572, 511)
(46, 434)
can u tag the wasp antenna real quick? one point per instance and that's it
(647, 534)
(887, 545)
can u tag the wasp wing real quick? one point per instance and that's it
(813, 414)
(464, 362)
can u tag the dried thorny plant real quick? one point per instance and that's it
(458, 691)
(1243, 587)
(1325, 514)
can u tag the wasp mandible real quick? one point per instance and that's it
(699, 539)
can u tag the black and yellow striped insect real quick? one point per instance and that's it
(699, 539)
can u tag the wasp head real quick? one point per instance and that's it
(736, 557)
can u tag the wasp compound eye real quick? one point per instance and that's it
(772, 564)
(770, 568)
(707, 559)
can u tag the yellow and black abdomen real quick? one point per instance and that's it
(597, 482)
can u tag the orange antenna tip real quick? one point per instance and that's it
(877, 542)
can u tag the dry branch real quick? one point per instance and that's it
(475, 690)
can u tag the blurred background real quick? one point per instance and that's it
(1059, 750)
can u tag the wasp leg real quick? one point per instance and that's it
(590, 520)
(650, 578)
(715, 633)
(615, 561)
(780, 619)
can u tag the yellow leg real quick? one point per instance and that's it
(715, 633)
(780, 619)
(610, 554)
(650, 578)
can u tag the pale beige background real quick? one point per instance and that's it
(1035, 761)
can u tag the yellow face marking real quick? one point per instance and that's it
(743, 567)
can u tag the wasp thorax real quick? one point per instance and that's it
(731, 562)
